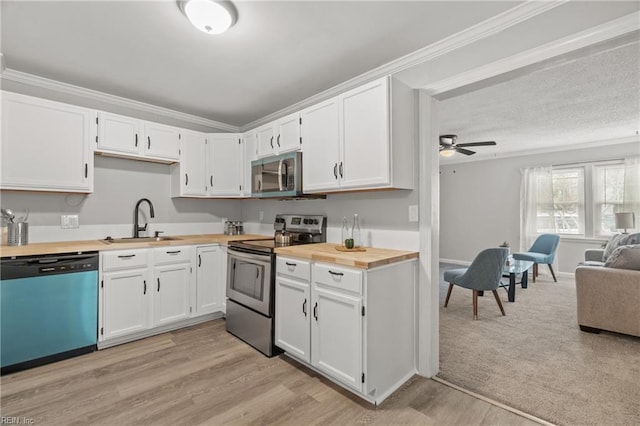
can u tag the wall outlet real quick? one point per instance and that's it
(261, 216)
(69, 221)
(413, 213)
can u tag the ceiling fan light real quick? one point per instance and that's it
(447, 152)
(208, 16)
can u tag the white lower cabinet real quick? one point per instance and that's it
(148, 291)
(355, 326)
(209, 280)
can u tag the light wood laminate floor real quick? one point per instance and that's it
(203, 375)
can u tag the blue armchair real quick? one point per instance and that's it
(542, 251)
(483, 274)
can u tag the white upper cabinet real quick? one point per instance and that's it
(225, 164)
(280, 136)
(46, 145)
(190, 178)
(161, 141)
(362, 139)
(250, 143)
(321, 141)
(128, 137)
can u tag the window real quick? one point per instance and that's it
(568, 202)
(608, 197)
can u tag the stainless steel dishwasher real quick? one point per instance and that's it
(49, 308)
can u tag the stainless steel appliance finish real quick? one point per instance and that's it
(251, 278)
(278, 176)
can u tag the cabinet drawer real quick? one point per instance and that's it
(171, 255)
(125, 259)
(293, 268)
(337, 277)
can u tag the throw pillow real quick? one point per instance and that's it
(625, 257)
(613, 244)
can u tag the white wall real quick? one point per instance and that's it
(480, 203)
(384, 216)
(109, 209)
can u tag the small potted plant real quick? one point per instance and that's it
(505, 244)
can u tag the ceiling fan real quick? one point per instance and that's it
(448, 146)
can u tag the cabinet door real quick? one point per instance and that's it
(250, 153)
(321, 141)
(365, 136)
(171, 289)
(119, 133)
(266, 144)
(287, 137)
(225, 164)
(193, 160)
(208, 280)
(161, 141)
(125, 303)
(293, 307)
(336, 330)
(46, 146)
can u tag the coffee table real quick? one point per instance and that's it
(514, 268)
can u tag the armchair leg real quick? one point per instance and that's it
(495, 293)
(553, 274)
(446, 301)
(535, 271)
(475, 304)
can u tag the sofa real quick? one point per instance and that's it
(608, 289)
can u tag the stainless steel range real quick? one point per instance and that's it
(251, 278)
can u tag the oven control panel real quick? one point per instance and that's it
(301, 223)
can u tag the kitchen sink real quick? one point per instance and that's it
(110, 240)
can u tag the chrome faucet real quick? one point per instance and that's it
(136, 226)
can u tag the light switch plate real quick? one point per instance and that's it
(413, 213)
(69, 221)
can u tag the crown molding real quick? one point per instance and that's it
(486, 28)
(546, 150)
(609, 30)
(70, 89)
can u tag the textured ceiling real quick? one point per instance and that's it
(582, 100)
(277, 54)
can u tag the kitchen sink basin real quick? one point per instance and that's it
(110, 240)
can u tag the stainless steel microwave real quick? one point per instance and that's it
(278, 176)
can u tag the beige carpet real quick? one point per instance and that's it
(536, 359)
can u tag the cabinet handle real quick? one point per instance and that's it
(158, 284)
(341, 175)
(304, 307)
(335, 170)
(199, 261)
(174, 252)
(86, 170)
(290, 264)
(136, 140)
(145, 287)
(315, 311)
(128, 256)
(278, 140)
(211, 180)
(186, 179)
(148, 142)
(271, 142)
(336, 273)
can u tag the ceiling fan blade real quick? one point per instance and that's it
(465, 151)
(487, 143)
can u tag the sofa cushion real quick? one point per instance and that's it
(591, 263)
(625, 257)
(617, 241)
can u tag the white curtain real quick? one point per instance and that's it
(536, 204)
(631, 194)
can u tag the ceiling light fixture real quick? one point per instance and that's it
(209, 16)
(447, 152)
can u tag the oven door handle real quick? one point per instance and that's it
(280, 185)
(263, 259)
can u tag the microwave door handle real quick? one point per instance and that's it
(280, 175)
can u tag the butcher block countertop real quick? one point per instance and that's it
(326, 252)
(35, 249)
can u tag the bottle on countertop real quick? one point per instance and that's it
(355, 232)
(345, 232)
